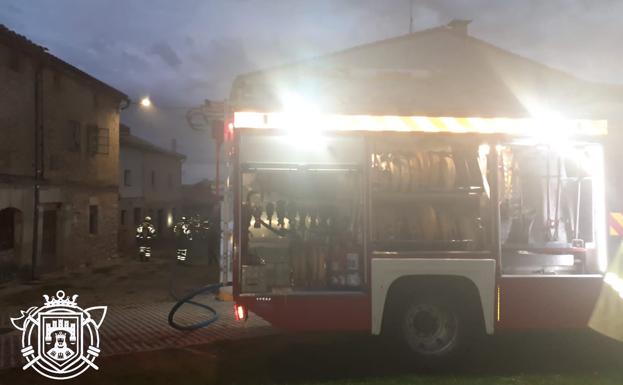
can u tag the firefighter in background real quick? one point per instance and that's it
(145, 233)
(183, 239)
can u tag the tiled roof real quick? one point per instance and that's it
(129, 140)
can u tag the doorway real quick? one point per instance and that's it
(10, 242)
(48, 239)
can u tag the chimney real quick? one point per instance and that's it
(459, 26)
(174, 145)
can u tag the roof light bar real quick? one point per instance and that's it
(336, 122)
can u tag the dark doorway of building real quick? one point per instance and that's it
(160, 221)
(48, 240)
(10, 242)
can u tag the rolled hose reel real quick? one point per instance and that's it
(424, 170)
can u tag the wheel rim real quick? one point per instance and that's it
(430, 329)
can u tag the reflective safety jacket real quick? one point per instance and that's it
(183, 230)
(145, 230)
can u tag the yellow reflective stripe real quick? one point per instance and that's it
(465, 122)
(438, 123)
(393, 123)
(523, 127)
(615, 225)
(423, 124)
(409, 124)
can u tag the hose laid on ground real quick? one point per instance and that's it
(188, 299)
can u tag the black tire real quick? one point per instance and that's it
(435, 330)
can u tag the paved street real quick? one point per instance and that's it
(138, 299)
(140, 328)
(356, 359)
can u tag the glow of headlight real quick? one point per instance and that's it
(302, 122)
(615, 282)
(294, 103)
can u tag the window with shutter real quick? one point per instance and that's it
(99, 140)
(127, 177)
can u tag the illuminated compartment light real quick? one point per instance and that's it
(545, 129)
(599, 199)
(498, 310)
(483, 150)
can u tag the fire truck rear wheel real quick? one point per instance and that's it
(434, 329)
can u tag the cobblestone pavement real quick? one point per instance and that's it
(139, 328)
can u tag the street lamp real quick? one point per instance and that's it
(146, 102)
(206, 117)
(210, 117)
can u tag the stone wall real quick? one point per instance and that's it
(75, 107)
(69, 105)
(20, 196)
(17, 113)
(80, 246)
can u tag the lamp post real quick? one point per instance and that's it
(209, 116)
(145, 102)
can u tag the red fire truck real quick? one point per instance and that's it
(431, 229)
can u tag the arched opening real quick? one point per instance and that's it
(10, 241)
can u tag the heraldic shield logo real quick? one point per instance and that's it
(60, 340)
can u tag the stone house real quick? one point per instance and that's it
(150, 184)
(59, 154)
(199, 199)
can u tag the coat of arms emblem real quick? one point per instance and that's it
(60, 340)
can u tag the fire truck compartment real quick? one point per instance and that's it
(315, 208)
(430, 194)
(549, 199)
(301, 226)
